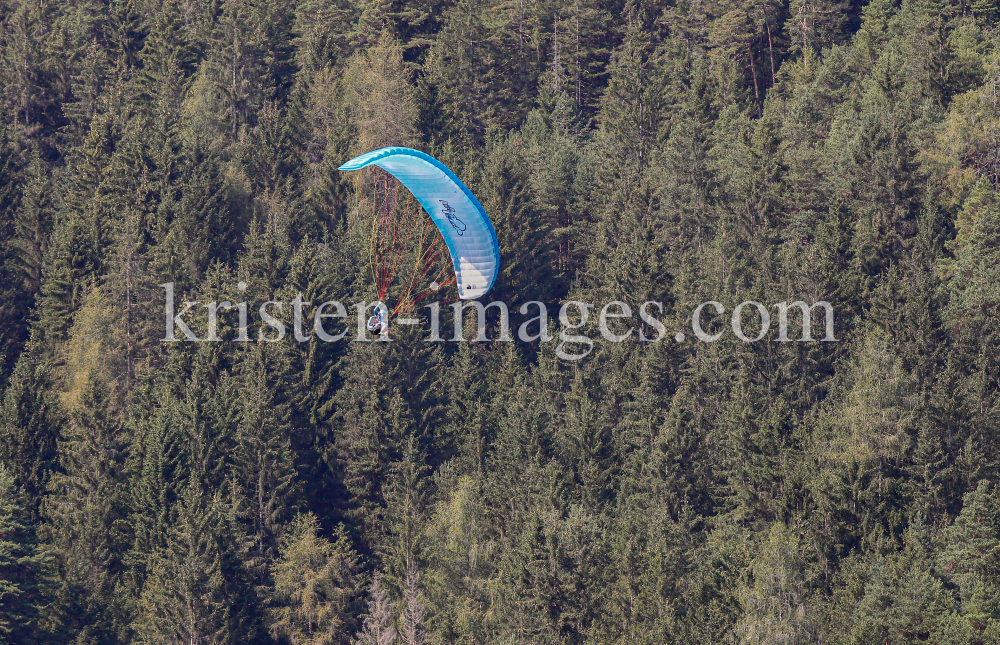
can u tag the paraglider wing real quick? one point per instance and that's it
(464, 225)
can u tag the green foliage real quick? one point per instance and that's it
(411, 492)
(314, 585)
(25, 568)
(29, 426)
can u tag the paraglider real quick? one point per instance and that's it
(400, 235)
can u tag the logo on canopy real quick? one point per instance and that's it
(453, 219)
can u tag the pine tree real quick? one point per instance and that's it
(86, 516)
(33, 224)
(405, 501)
(475, 82)
(469, 419)
(315, 582)
(458, 553)
(80, 236)
(523, 234)
(168, 59)
(195, 219)
(263, 462)
(379, 97)
(13, 305)
(25, 568)
(970, 316)
(817, 24)
(29, 426)
(549, 146)
(969, 557)
(903, 601)
(370, 419)
(125, 31)
(185, 599)
(632, 109)
(31, 92)
(322, 32)
(249, 62)
(581, 50)
(775, 605)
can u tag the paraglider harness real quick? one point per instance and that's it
(377, 324)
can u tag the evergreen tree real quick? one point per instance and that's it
(86, 513)
(30, 423)
(315, 583)
(969, 558)
(263, 463)
(185, 599)
(25, 569)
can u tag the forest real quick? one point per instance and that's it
(416, 493)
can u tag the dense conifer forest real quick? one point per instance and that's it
(413, 492)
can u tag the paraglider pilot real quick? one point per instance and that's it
(379, 323)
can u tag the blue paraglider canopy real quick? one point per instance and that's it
(462, 220)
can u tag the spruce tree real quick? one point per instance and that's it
(86, 515)
(25, 568)
(29, 425)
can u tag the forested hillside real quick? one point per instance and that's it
(408, 492)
